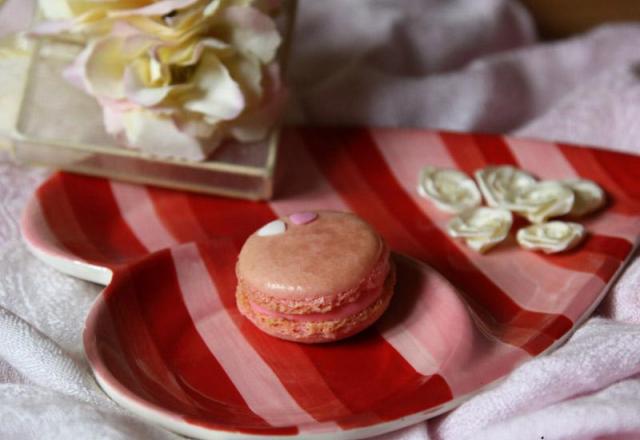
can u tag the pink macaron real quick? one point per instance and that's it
(314, 277)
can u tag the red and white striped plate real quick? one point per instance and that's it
(165, 339)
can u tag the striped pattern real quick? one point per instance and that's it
(167, 335)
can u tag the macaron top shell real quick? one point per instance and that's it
(331, 254)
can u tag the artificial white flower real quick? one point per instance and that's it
(496, 182)
(481, 228)
(551, 237)
(451, 190)
(589, 196)
(540, 201)
(175, 77)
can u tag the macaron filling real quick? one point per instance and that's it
(366, 299)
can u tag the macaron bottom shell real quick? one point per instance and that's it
(319, 331)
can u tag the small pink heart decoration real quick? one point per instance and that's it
(302, 218)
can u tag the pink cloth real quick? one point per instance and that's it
(457, 64)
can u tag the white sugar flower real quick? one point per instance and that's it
(451, 190)
(496, 182)
(540, 201)
(481, 228)
(551, 237)
(589, 196)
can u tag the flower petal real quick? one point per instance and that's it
(253, 32)
(55, 9)
(159, 135)
(220, 96)
(551, 237)
(211, 8)
(589, 196)
(481, 228)
(254, 124)
(136, 91)
(248, 73)
(496, 182)
(159, 8)
(75, 73)
(51, 27)
(540, 201)
(104, 68)
(451, 190)
(189, 54)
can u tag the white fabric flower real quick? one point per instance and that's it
(540, 201)
(481, 228)
(451, 190)
(496, 182)
(589, 196)
(551, 237)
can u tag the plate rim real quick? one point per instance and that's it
(62, 262)
(76, 268)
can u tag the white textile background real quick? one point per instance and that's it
(457, 64)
